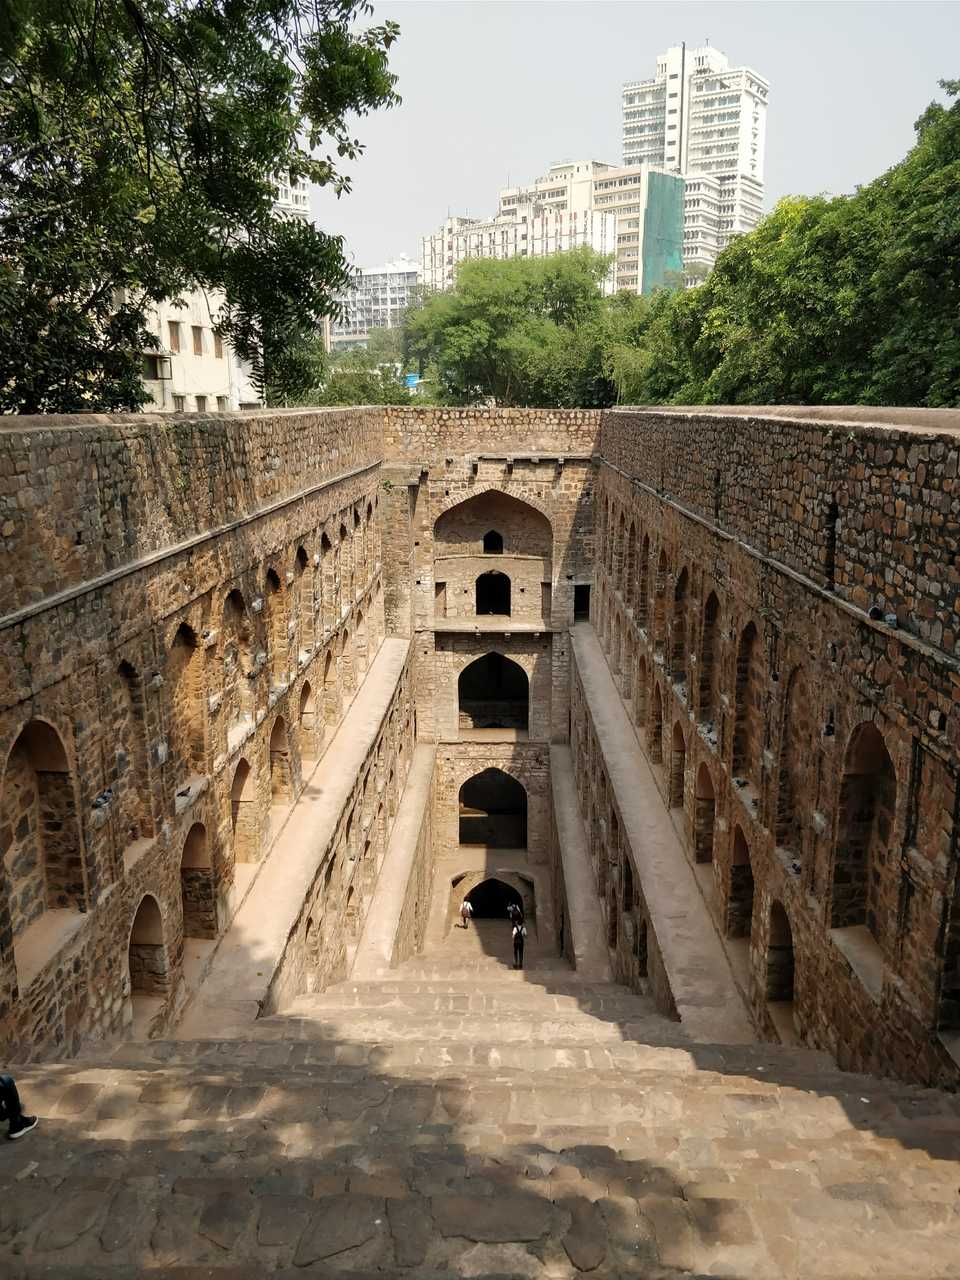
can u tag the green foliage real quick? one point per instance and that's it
(141, 142)
(830, 301)
(362, 377)
(524, 331)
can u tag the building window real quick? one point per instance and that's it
(222, 404)
(174, 327)
(217, 345)
(197, 340)
(201, 404)
(179, 403)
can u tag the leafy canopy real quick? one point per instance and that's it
(141, 144)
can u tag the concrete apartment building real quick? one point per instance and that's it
(635, 215)
(705, 120)
(378, 299)
(552, 214)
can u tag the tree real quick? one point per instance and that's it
(361, 377)
(141, 143)
(848, 300)
(517, 331)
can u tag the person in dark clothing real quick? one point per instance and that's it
(515, 913)
(519, 937)
(11, 1110)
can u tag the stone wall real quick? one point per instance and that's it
(412, 927)
(191, 606)
(631, 939)
(325, 935)
(809, 749)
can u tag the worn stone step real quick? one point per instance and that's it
(432, 1004)
(280, 1166)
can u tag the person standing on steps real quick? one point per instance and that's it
(519, 937)
(11, 1110)
(515, 913)
(466, 913)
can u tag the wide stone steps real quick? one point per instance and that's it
(480, 1123)
(254, 1158)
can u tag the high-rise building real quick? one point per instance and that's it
(377, 300)
(635, 215)
(706, 120)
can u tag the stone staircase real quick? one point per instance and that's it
(459, 1119)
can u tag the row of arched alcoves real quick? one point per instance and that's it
(781, 775)
(216, 713)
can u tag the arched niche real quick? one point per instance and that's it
(461, 529)
(492, 594)
(493, 811)
(148, 962)
(704, 812)
(865, 828)
(197, 897)
(739, 915)
(43, 853)
(493, 693)
(493, 543)
(243, 814)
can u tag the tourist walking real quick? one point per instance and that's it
(466, 913)
(11, 1110)
(515, 913)
(519, 937)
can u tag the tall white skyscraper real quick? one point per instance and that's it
(706, 120)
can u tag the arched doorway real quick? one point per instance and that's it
(740, 900)
(493, 594)
(493, 693)
(281, 780)
(197, 897)
(779, 975)
(868, 802)
(704, 810)
(493, 811)
(39, 827)
(308, 723)
(678, 765)
(243, 814)
(148, 965)
(493, 543)
(491, 898)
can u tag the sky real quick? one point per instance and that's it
(494, 91)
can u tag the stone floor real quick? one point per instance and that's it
(461, 1119)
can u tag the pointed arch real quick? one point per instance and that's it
(493, 693)
(739, 913)
(239, 691)
(704, 812)
(149, 964)
(493, 811)
(655, 735)
(197, 897)
(748, 728)
(709, 704)
(865, 831)
(42, 849)
(678, 766)
(243, 814)
(678, 660)
(660, 604)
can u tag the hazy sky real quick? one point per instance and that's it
(498, 89)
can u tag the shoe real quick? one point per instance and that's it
(19, 1127)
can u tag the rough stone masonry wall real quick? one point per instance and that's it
(810, 751)
(190, 605)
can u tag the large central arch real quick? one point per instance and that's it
(494, 693)
(489, 520)
(493, 811)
